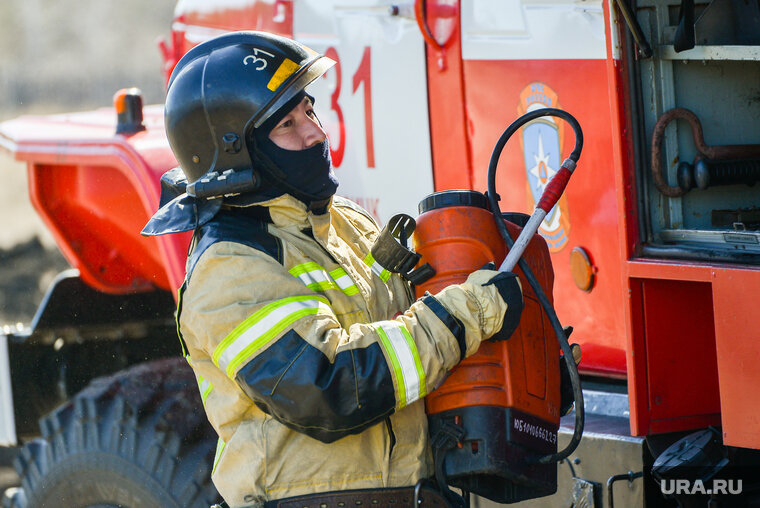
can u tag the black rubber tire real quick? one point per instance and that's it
(136, 439)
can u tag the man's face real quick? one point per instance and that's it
(299, 129)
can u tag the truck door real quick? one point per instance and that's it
(373, 103)
(693, 267)
(509, 57)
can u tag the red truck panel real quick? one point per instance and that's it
(95, 191)
(493, 91)
(197, 22)
(692, 345)
(492, 95)
(737, 340)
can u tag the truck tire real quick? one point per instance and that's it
(135, 439)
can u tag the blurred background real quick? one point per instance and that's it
(61, 56)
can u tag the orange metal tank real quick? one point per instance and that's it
(506, 396)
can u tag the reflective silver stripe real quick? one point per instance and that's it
(262, 327)
(317, 278)
(218, 455)
(204, 385)
(377, 268)
(344, 281)
(405, 361)
(313, 276)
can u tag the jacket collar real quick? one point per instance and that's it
(289, 213)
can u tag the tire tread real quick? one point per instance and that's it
(149, 415)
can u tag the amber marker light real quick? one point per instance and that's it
(582, 269)
(129, 114)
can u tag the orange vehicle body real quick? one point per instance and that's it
(681, 332)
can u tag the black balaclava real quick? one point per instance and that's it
(305, 174)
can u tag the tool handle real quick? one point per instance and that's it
(522, 241)
(549, 198)
(556, 186)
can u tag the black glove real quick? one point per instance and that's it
(509, 289)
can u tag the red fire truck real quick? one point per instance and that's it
(655, 244)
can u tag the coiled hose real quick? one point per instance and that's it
(493, 199)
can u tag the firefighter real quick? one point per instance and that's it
(312, 359)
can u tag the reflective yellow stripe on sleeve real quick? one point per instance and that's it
(219, 449)
(205, 388)
(344, 281)
(317, 278)
(204, 385)
(263, 326)
(377, 268)
(314, 276)
(405, 361)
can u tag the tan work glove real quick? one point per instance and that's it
(489, 304)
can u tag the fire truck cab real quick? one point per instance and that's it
(655, 244)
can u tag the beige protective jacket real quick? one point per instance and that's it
(311, 358)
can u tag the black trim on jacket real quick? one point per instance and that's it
(455, 326)
(238, 225)
(298, 385)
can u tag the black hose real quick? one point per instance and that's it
(493, 199)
